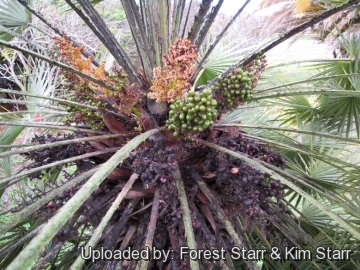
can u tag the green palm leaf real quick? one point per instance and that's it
(14, 17)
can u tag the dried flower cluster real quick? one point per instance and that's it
(126, 96)
(173, 81)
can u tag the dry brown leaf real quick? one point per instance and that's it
(113, 124)
(202, 198)
(132, 194)
(205, 209)
(98, 145)
(119, 174)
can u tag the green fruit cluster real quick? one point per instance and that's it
(79, 114)
(235, 88)
(195, 113)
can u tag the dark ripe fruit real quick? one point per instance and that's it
(144, 177)
(163, 179)
(245, 179)
(262, 196)
(61, 196)
(50, 205)
(254, 148)
(197, 224)
(248, 201)
(270, 211)
(275, 185)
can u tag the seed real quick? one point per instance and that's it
(196, 224)
(275, 185)
(50, 205)
(248, 201)
(144, 177)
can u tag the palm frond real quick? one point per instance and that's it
(30, 253)
(129, 171)
(302, 5)
(14, 17)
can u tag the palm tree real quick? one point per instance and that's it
(151, 156)
(291, 13)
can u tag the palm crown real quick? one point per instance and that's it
(164, 145)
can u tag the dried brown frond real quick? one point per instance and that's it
(301, 6)
(268, 3)
(329, 22)
(294, 13)
(278, 21)
(314, 8)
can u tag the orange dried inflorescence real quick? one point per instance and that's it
(123, 99)
(173, 81)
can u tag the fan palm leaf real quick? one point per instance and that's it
(14, 17)
(145, 182)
